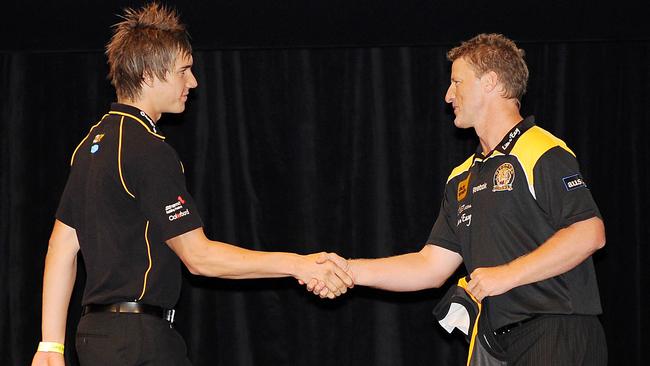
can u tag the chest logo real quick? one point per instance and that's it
(461, 193)
(503, 178)
(479, 188)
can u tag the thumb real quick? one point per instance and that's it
(322, 258)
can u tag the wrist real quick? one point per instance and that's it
(514, 274)
(298, 267)
(357, 273)
(55, 347)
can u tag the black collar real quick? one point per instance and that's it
(509, 140)
(137, 114)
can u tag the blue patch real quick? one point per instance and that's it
(574, 182)
(94, 148)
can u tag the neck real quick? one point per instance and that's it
(495, 125)
(144, 106)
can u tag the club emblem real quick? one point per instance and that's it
(503, 178)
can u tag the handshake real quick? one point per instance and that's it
(327, 275)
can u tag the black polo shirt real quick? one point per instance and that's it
(126, 196)
(499, 207)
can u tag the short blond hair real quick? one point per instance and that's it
(495, 52)
(145, 43)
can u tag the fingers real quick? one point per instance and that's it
(473, 286)
(310, 285)
(475, 291)
(326, 282)
(330, 275)
(343, 271)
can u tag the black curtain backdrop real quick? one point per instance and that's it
(337, 149)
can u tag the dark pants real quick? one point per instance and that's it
(128, 339)
(556, 340)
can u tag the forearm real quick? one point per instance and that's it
(58, 281)
(399, 273)
(562, 252)
(216, 259)
(228, 261)
(427, 268)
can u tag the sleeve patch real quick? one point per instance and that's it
(177, 206)
(574, 182)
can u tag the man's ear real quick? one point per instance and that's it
(490, 81)
(147, 79)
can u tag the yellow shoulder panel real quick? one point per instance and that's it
(461, 168)
(531, 146)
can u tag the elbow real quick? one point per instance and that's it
(193, 269)
(601, 238)
(600, 241)
(193, 259)
(598, 232)
(202, 260)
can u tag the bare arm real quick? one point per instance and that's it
(58, 281)
(428, 268)
(216, 259)
(562, 252)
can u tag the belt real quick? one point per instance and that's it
(507, 328)
(132, 308)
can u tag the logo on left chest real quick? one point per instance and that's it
(461, 191)
(504, 176)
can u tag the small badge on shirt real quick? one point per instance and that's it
(461, 193)
(95, 146)
(573, 182)
(175, 210)
(503, 178)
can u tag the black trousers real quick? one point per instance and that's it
(105, 339)
(556, 340)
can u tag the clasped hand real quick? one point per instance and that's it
(329, 275)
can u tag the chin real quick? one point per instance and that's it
(461, 124)
(178, 109)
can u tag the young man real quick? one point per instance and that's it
(518, 214)
(126, 207)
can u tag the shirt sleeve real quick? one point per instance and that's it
(443, 233)
(162, 195)
(561, 190)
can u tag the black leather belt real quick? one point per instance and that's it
(507, 328)
(132, 307)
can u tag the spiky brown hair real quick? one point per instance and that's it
(145, 44)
